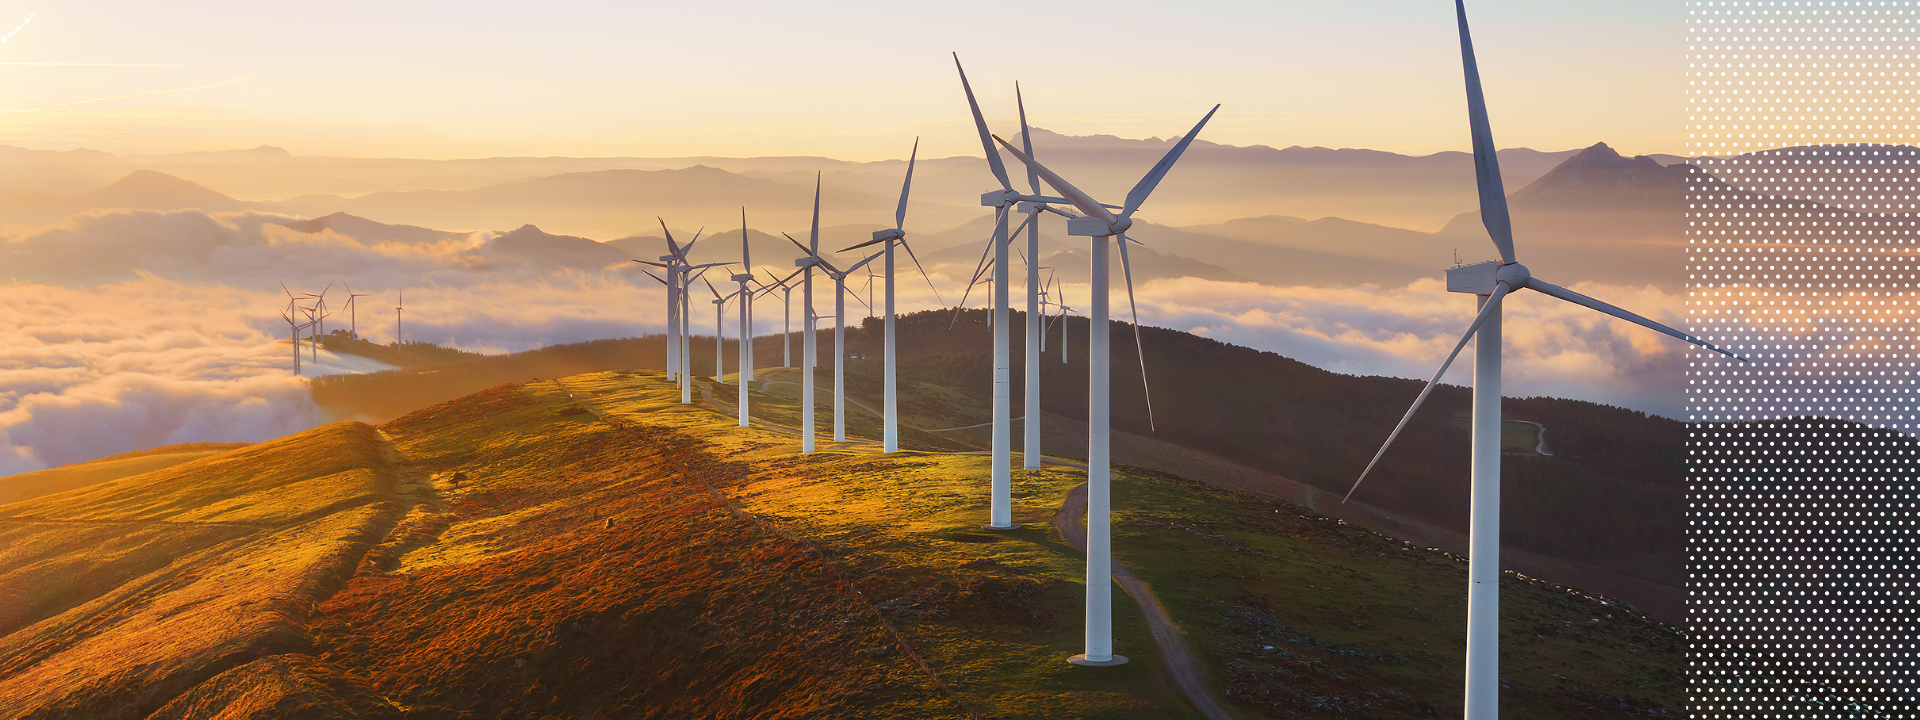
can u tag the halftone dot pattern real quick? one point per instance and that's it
(1801, 258)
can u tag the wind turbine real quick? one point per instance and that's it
(1492, 281)
(745, 293)
(353, 316)
(1104, 227)
(890, 433)
(785, 286)
(399, 329)
(678, 269)
(1004, 200)
(1030, 445)
(807, 344)
(839, 278)
(293, 328)
(719, 330)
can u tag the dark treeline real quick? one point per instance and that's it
(1612, 494)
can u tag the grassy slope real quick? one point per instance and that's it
(27, 486)
(664, 563)
(116, 597)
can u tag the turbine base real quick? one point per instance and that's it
(1014, 526)
(1082, 661)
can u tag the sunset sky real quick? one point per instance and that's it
(841, 79)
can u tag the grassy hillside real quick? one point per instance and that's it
(591, 548)
(26, 486)
(1609, 496)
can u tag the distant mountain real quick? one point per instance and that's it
(530, 246)
(139, 190)
(612, 203)
(1212, 183)
(370, 231)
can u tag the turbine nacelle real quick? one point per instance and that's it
(804, 262)
(743, 277)
(1481, 278)
(1085, 226)
(999, 198)
(887, 234)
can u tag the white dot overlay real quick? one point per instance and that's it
(1801, 257)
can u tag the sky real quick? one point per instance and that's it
(838, 78)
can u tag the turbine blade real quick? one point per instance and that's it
(900, 215)
(813, 241)
(1578, 299)
(977, 268)
(923, 273)
(1079, 199)
(1499, 293)
(1486, 163)
(980, 123)
(1026, 138)
(1126, 269)
(861, 245)
(856, 266)
(672, 247)
(655, 277)
(746, 256)
(642, 262)
(1152, 180)
(796, 243)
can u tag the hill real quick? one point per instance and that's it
(138, 190)
(590, 547)
(1604, 511)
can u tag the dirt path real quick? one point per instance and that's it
(1186, 672)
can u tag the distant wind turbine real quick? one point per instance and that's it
(719, 331)
(293, 327)
(353, 316)
(890, 433)
(785, 286)
(399, 329)
(1492, 281)
(1104, 226)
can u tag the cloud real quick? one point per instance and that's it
(123, 330)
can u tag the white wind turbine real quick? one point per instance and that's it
(890, 433)
(1491, 281)
(719, 331)
(839, 278)
(399, 329)
(1005, 200)
(808, 353)
(745, 293)
(679, 280)
(785, 286)
(353, 317)
(293, 327)
(1103, 227)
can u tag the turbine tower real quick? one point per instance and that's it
(399, 329)
(745, 293)
(1491, 281)
(1103, 227)
(890, 434)
(1030, 445)
(719, 331)
(839, 278)
(808, 343)
(785, 286)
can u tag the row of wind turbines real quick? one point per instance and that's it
(313, 308)
(1106, 228)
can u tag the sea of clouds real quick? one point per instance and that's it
(121, 330)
